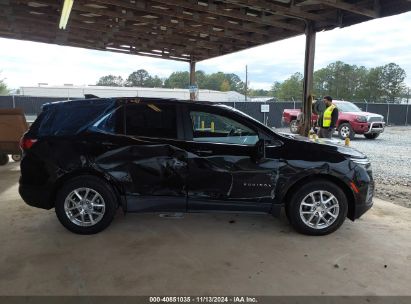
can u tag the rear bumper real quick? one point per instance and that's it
(36, 196)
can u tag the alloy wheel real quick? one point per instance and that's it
(84, 207)
(319, 209)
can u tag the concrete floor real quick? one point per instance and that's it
(200, 254)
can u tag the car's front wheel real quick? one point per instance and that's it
(317, 208)
(86, 205)
(294, 126)
(345, 130)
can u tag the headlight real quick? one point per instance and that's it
(361, 119)
(360, 161)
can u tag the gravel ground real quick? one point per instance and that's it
(390, 156)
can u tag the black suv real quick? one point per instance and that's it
(88, 157)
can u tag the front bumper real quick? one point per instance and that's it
(376, 127)
(368, 127)
(365, 185)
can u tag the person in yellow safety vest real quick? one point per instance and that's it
(328, 119)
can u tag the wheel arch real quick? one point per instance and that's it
(314, 177)
(342, 122)
(83, 172)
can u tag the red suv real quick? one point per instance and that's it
(351, 120)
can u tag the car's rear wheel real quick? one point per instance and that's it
(345, 130)
(317, 208)
(16, 157)
(86, 205)
(372, 135)
(4, 159)
(294, 126)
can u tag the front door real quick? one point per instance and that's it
(224, 173)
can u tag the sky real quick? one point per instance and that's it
(370, 44)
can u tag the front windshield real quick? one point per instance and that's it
(348, 107)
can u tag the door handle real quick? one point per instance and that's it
(109, 144)
(203, 152)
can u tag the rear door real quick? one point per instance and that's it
(224, 173)
(157, 167)
(146, 159)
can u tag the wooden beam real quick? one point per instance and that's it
(177, 13)
(353, 8)
(289, 11)
(214, 9)
(134, 33)
(143, 45)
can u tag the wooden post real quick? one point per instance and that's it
(310, 34)
(192, 78)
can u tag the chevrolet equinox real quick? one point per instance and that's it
(86, 158)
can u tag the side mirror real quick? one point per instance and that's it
(259, 150)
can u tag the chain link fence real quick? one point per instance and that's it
(394, 114)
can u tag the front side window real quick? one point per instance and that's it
(348, 107)
(151, 120)
(208, 127)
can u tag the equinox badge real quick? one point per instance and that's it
(257, 185)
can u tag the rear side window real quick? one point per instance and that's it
(34, 128)
(111, 122)
(71, 117)
(151, 120)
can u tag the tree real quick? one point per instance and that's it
(214, 81)
(3, 87)
(154, 82)
(259, 93)
(225, 86)
(291, 88)
(177, 80)
(372, 86)
(341, 81)
(139, 78)
(393, 85)
(275, 89)
(236, 84)
(201, 78)
(110, 81)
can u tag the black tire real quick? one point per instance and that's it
(4, 159)
(99, 186)
(345, 128)
(372, 135)
(294, 126)
(16, 157)
(293, 207)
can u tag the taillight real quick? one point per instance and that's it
(27, 143)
